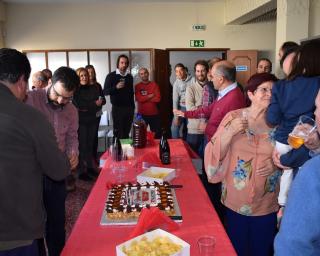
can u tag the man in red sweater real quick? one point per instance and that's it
(148, 95)
(229, 98)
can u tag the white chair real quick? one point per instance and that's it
(104, 129)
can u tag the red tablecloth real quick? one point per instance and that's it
(89, 238)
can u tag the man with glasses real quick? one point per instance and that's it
(54, 102)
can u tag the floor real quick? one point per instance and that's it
(75, 201)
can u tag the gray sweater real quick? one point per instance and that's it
(28, 149)
(179, 92)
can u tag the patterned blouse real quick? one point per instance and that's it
(244, 191)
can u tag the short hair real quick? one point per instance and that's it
(13, 65)
(68, 78)
(267, 60)
(122, 56)
(40, 76)
(213, 61)
(227, 70)
(47, 72)
(179, 65)
(306, 62)
(202, 63)
(143, 68)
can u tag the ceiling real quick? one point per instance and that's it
(109, 1)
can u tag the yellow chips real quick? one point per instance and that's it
(159, 246)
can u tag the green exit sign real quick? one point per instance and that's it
(196, 43)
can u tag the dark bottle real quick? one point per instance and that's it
(139, 132)
(164, 149)
(117, 148)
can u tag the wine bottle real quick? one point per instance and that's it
(117, 148)
(164, 149)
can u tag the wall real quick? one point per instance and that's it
(103, 25)
(314, 18)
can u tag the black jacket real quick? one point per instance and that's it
(28, 149)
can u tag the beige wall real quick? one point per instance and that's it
(314, 18)
(102, 25)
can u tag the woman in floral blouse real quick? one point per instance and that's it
(240, 155)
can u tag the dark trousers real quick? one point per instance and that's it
(54, 202)
(95, 142)
(175, 130)
(86, 133)
(122, 120)
(28, 250)
(154, 123)
(196, 142)
(251, 235)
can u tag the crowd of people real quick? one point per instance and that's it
(260, 186)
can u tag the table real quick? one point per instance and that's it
(89, 238)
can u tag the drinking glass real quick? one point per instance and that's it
(206, 245)
(202, 122)
(304, 127)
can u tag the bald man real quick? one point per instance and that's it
(39, 80)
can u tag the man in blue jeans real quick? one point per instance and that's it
(179, 100)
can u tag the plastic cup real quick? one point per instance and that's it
(304, 127)
(206, 245)
(177, 164)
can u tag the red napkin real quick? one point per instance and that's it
(153, 218)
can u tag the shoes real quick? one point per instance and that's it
(85, 176)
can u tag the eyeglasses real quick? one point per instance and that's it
(264, 90)
(61, 96)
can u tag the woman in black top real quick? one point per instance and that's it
(93, 82)
(87, 101)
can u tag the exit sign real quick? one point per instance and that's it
(199, 27)
(196, 43)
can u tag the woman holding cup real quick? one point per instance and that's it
(244, 164)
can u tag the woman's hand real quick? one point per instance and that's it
(238, 125)
(266, 168)
(276, 160)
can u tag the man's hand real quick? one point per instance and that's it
(74, 160)
(177, 112)
(120, 84)
(313, 141)
(150, 96)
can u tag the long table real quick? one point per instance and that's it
(88, 237)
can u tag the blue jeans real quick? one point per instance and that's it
(28, 250)
(175, 129)
(196, 142)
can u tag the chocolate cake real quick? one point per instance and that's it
(127, 200)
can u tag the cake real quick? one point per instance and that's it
(127, 200)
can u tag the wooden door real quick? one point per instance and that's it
(161, 74)
(246, 64)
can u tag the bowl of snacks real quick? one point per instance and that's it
(156, 242)
(157, 174)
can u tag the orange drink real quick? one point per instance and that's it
(295, 141)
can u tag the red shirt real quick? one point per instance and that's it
(147, 106)
(218, 109)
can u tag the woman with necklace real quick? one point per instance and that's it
(240, 155)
